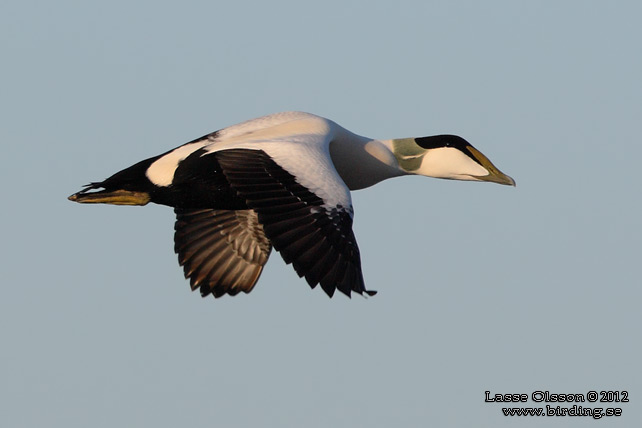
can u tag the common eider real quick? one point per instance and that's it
(281, 181)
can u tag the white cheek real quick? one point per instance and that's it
(448, 162)
(161, 172)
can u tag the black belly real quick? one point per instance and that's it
(199, 182)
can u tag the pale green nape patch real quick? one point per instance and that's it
(408, 153)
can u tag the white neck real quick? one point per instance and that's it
(362, 162)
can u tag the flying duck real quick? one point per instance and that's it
(281, 181)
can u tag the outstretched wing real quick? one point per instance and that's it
(303, 222)
(221, 251)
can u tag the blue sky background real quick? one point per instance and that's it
(481, 287)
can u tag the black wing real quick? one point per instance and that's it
(221, 251)
(317, 240)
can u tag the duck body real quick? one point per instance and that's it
(281, 181)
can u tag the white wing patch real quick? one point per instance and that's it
(300, 145)
(298, 142)
(314, 170)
